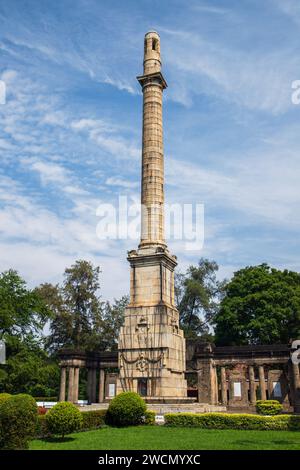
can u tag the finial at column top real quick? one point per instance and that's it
(152, 59)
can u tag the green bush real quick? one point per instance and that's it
(63, 419)
(45, 398)
(42, 429)
(149, 417)
(126, 409)
(93, 419)
(18, 417)
(4, 397)
(268, 407)
(233, 421)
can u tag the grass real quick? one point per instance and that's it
(164, 438)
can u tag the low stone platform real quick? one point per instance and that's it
(170, 400)
(163, 408)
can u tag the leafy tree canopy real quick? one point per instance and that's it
(261, 306)
(197, 295)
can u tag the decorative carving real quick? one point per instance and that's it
(142, 363)
(175, 326)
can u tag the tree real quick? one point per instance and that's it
(112, 320)
(61, 324)
(261, 306)
(80, 319)
(23, 314)
(197, 293)
(80, 288)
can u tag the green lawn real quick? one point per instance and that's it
(163, 438)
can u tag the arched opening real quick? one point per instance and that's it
(154, 44)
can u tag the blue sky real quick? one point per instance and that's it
(70, 131)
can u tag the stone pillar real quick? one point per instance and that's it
(262, 383)
(90, 385)
(223, 386)
(93, 385)
(207, 382)
(62, 390)
(153, 84)
(216, 387)
(252, 385)
(296, 383)
(101, 385)
(71, 384)
(76, 385)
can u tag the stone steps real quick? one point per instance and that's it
(163, 408)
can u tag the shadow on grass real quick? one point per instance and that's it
(58, 439)
(259, 443)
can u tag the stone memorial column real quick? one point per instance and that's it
(62, 390)
(262, 382)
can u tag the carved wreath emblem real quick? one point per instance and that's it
(142, 363)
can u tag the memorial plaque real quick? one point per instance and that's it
(160, 419)
(277, 390)
(111, 390)
(237, 389)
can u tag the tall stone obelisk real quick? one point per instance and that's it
(151, 344)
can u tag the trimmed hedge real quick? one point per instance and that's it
(234, 421)
(4, 397)
(18, 417)
(64, 418)
(45, 398)
(149, 417)
(126, 409)
(90, 420)
(93, 419)
(268, 407)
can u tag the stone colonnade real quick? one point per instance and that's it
(100, 382)
(241, 384)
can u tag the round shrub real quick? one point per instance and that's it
(4, 397)
(18, 418)
(268, 407)
(126, 409)
(63, 419)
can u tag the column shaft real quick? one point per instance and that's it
(62, 390)
(71, 384)
(262, 383)
(252, 385)
(93, 385)
(101, 385)
(296, 380)
(76, 384)
(223, 386)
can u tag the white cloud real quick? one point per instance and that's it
(114, 181)
(255, 79)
